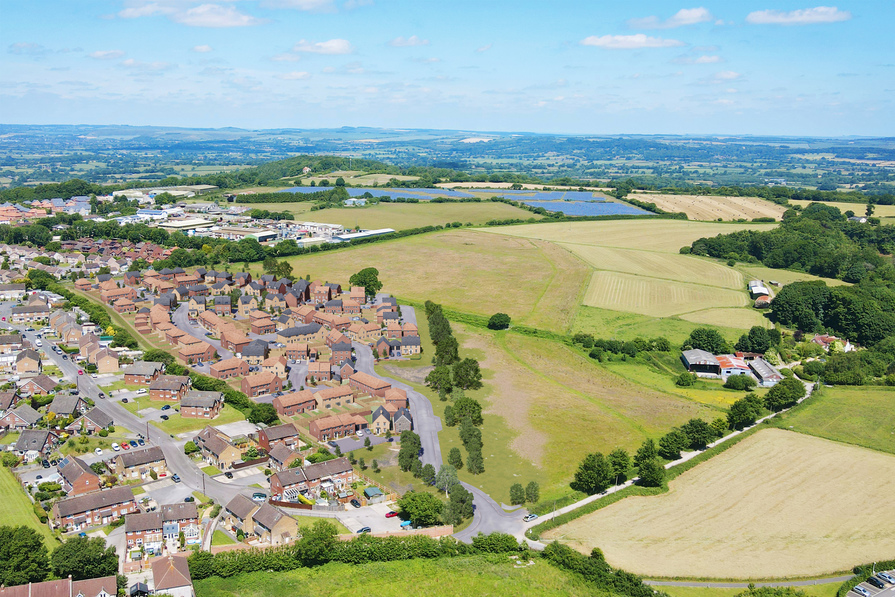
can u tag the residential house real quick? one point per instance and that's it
(201, 405)
(12, 292)
(286, 434)
(169, 387)
(229, 368)
(238, 514)
(272, 526)
(40, 385)
(64, 405)
(282, 456)
(331, 476)
(106, 361)
(341, 353)
(402, 421)
(263, 326)
(94, 509)
(381, 421)
(29, 313)
(66, 587)
(195, 307)
(410, 345)
(90, 422)
(295, 403)
(77, 477)
(396, 396)
(10, 346)
(275, 365)
(171, 576)
(8, 400)
(143, 372)
(334, 397)
(255, 353)
(335, 426)
(301, 352)
(222, 305)
(154, 530)
(260, 384)
(319, 371)
(36, 443)
(311, 332)
(365, 383)
(246, 304)
(28, 362)
(21, 417)
(139, 464)
(234, 341)
(197, 352)
(216, 448)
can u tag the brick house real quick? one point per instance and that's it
(28, 362)
(77, 477)
(201, 405)
(246, 304)
(143, 372)
(256, 352)
(238, 513)
(67, 404)
(295, 403)
(271, 526)
(263, 326)
(286, 434)
(334, 397)
(94, 509)
(333, 476)
(198, 352)
(137, 464)
(216, 448)
(169, 387)
(335, 426)
(260, 384)
(93, 587)
(38, 386)
(341, 353)
(410, 345)
(106, 360)
(301, 352)
(22, 417)
(275, 365)
(34, 443)
(153, 530)
(229, 368)
(281, 456)
(90, 422)
(319, 371)
(8, 400)
(365, 383)
(396, 396)
(222, 305)
(303, 334)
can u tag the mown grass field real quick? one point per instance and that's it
(446, 577)
(711, 207)
(864, 416)
(532, 281)
(778, 504)
(740, 319)
(16, 509)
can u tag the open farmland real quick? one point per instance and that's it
(863, 416)
(732, 317)
(784, 276)
(401, 216)
(712, 207)
(743, 514)
(880, 211)
(657, 297)
(472, 575)
(530, 280)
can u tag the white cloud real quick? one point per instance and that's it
(295, 75)
(685, 16)
(107, 54)
(145, 10)
(727, 75)
(202, 49)
(146, 66)
(629, 42)
(333, 46)
(407, 42)
(27, 48)
(286, 57)
(805, 16)
(307, 5)
(484, 48)
(215, 15)
(703, 59)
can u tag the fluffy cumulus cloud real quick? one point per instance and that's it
(408, 42)
(192, 14)
(306, 5)
(107, 54)
(202, 49)
(805, 16)
(685, 16)
(333, 46)
(629, 42)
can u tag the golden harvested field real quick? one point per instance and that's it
(530, 280)
(656, 297)
(884, 211)
(669, 266)
(651, 235)
(785, 276)
(777, 504)
(735, 318)
(711, 207)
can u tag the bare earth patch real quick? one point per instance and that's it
(778, 504)
(412, 374)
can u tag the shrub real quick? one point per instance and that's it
(499, 321)
(740, 382)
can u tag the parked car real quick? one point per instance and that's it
(228, 474)
(141, 442)
(876, 582)
(45, 464)
(359, 433)
(332, 444)
(164, 417)
(861, 591)
(355, 503)
(176, 478)
(141, 391)
(189, 498)
(166, 407)
(889, 578)
(391, 514)
(406, 524)
(116, 447)
(29, 329)
(529, 517)
(133, 443)
(98, 451)
(259, 497)
(125, 446)
(364, 530)
(94, 375)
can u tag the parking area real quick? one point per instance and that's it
(885, 582)
(347, 444)
(373, 516)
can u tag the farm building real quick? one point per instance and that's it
(700, 361)
(732, 365)
(767, 374)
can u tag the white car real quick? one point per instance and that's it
(116, 447)
(99, 451)
(861, 591)
(141, 391)
(94, 375)
(359, 433)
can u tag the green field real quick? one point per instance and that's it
(401, 216)
(221, 538)
(177, 424)
(16, 509)
(446, 577)
(308, 521)
(864, 416)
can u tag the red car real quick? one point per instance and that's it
(80, 372)
(124, 446)
(391, 514)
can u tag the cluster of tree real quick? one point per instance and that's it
(410, 451)
(707, 339)
(596, 571)
(531, 493)
(24, 558)
(450, 371)
(695, 434)
(759, 340)
(745, 411)
(784, 395)
(599, 348)
(740, 382)
(263, 214)
(368, 279)
(467, 413)
(425, 509)
(319, 545)
(499, 321)
(280, 269)
(596, 473)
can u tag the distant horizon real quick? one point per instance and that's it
(759, 67)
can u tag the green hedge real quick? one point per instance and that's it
(862, 573)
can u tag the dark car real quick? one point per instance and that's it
(355, 503)
(125, 400)
(141, 442)
(164, 417)
(133, 443)
(65, 357)
(228, 474)
(876, 582)
(45, 464)
(189, 498)
(166, 407)
(332, 444)
(364, 530)
(75, 392)
(101, 395)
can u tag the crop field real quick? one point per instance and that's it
(785, 276)
(468, 271)
(628, 326)
(666, 236)
(743, 514)
(862, 416)
(656, 297)
(401, 216)
(711, 207)
(471, 575)
(731, 317)
(880, 211)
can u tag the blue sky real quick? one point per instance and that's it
(769, 67)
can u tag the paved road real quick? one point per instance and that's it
(181, 321)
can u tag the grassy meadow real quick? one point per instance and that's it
(743, 514)
(446, 577)
(16, 509)
(401, 216)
